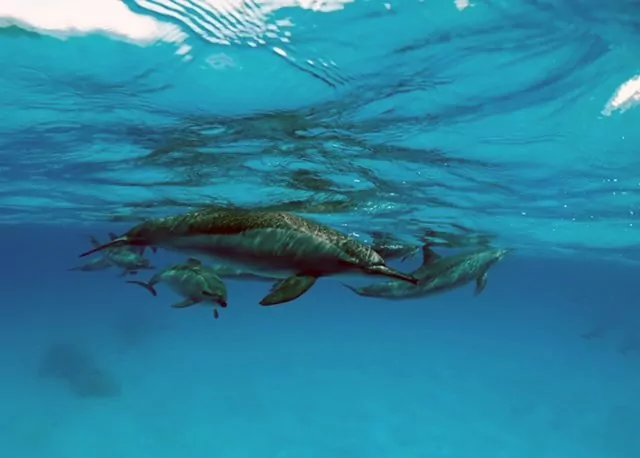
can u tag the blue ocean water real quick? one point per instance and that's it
(465, 123)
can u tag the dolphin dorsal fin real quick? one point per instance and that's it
(194, 262)
(112, 236)
(429, 256)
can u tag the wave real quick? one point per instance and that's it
(64, 18)
(508, 118)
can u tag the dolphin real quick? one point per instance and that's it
(129, 259)
(438, 274)
(101, 263)
(272, 244)
(391, 247)
(193, 281)
(234, 273)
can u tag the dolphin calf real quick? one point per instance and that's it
(94, 265)
(129, 259)
(391, 247)
(438, 274)
(272, 244)
(193, 281)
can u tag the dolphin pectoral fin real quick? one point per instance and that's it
(429, 256)
(184, 304)
(149, 287)
(288, 290)
(481, 284)
(216, 314)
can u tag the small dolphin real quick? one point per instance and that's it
(438, 274)
(271, 244)
(129, 259)
(391, 247)
(97, 264)
(195, 282)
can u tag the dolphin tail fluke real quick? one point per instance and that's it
(115, 242)
(392, 273)
(149, 287)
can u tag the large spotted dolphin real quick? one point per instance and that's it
(273, 244)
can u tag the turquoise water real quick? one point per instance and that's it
(482, 123)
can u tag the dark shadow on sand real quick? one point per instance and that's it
(75, 367)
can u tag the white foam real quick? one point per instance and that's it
(113, 17)
(72, 17)
(626, 96)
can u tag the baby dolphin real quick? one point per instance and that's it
(129, 259)
(93, 266)
(195, 282)
(391, 247)
(272, 244)
(438, 274)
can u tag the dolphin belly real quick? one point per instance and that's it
(272, 252)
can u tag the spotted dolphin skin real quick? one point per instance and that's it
(272, 244)
(193, 281)
(439, 274)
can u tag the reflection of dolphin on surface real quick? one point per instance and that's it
(273, 244)
(438, 274)
(129, 259)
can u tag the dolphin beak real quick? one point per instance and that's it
(115, 242)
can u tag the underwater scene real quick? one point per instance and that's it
(320, 229)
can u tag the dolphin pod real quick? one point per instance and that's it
(277, 245)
